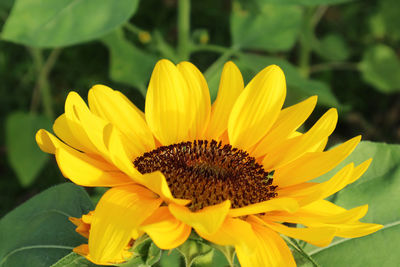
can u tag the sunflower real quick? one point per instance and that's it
(236, 172)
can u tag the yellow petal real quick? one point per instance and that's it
(333, 187)
(230, 87)
(82, 228)
(49, 143)
(233, 232)
(286, 204)
(118, 214)
(314, 218)
(83, 250)
(168, 110)
(298, 146)
(360, 170)
(107, 138)
(87, 218)
(319, 147)
(357, 229)
(288, 121)
(92, 125)
(322, 213)
(312, 165)
(87, 171)
(165, 230)
(257, 107)
(323, 207)
(157, 183)
(207, 220)
(270, 249)
(317, 236)
(200, 98)
(129, 103)
(109, 105)
(74, 124)
(115, 151)
(316, 191)
(62, 130)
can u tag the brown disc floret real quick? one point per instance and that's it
(208, 173)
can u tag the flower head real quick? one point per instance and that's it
(234, 171)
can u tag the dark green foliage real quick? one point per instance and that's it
(344, 51)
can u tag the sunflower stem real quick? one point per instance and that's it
(42, 87)
(294, 245)
(183, 29)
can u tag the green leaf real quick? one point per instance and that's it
(333, 47)
(377, 25)
(264, 28)
(299, 87)
(38, 233)
(73, 260)
(44, 23)
(23, 153)
(389, 9)
(379, 188)
(306, 2)
(380, 67)
(6, 4)
(129, 64)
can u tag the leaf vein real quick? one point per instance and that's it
(33, 247)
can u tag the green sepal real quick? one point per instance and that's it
(145, 253)
(196, 251)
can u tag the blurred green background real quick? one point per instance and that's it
(346, 52)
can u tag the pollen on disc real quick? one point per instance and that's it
(209, 173)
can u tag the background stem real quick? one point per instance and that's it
(305, 48)
(42, 87)
(183, 29)
(219, 62)
(307, 38)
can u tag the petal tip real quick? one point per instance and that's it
(44, 142)
(164, 62)
(100, 87)
(313, 99)
(276, 70)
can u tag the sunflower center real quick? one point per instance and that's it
(209, 173)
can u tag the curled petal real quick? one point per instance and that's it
(111, 106)
(165, 230)
(207, 220)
